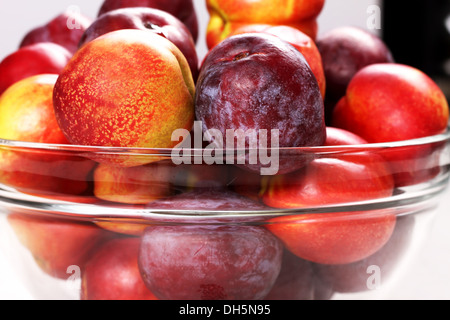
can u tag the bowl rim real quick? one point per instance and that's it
(138, 151)
(86, 211)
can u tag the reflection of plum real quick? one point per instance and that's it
(295, 281)
(356, 277)
(209, 262)
(217, 199)
(189, 177)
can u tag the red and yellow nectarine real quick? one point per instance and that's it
(134, 96)
(26, 114)
(228, 15)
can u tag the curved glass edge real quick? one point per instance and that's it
(399, 204)
(4, 143)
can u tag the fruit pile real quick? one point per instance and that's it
(131, 78)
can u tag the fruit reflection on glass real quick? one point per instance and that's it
(55, 244)
(209, 262)
(341, 237)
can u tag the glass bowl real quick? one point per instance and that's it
(341, 222)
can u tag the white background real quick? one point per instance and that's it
(427, 278)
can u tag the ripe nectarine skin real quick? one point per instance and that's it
(152, 20)
(135, 185)
(334, 238)
(350, 178)
(355, 176)
(390, 102)
(65, 29)
(182, 9)
(26, 111)
(258, 82)
(394, 102)
(134, 96)
(209, 262)
(228, 15)
(35, 59)
(26, 114)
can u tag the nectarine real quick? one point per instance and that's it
(35, 59)
(128, 100)
(26, 114)
(228, 15)
(392, 102)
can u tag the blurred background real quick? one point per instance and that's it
(418, 33)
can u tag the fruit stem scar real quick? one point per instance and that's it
(241, 56)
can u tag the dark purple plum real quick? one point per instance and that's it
(152, 20)
(296, 280)
(184, 10)
(208, 199)
(252, 82)
(345, 51)
(209, 262)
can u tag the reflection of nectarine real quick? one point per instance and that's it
(333, 238)
(357, 276)
(337, 179)
(57, 244)
(129, 100)
(135, 185)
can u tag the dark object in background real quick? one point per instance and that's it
(418, 34)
